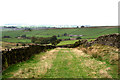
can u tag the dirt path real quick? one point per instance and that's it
(61, 63)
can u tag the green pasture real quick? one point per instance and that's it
(15, 40)
(67, 42)
(88, 33)
(71, 42)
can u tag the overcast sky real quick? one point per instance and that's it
(59, 12)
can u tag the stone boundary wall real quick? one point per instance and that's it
(14, 56)
(110, 40)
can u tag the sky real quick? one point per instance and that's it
(59, 12)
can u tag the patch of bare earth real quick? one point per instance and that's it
(79, 53)
(38, 69)
(96, 69)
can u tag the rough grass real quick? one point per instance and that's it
(62, 63)
(106, 54)
(36, 67)
(73, 63)
(15, 40)
(103, 52)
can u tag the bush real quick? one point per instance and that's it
(55, 42)
(79, 38)
(33, 39)
(42, 40)
(23, 44)
(17, 44)
(82, 26)
(23, 36)
(65, 34)
(58, 35)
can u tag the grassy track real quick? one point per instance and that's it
(60, 63)
(66, 65)
(72, 63)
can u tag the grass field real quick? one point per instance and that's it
(87, 32)
(9, 45)
(67, 42)
(15, 40)
(70, 42)
(61, 63)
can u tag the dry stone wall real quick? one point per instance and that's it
(111, 40)
(14, 56)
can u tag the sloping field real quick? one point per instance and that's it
(50, 32)
(95, 32)
(60, 63)
(88, 33)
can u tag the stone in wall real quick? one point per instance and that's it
(111, 40)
